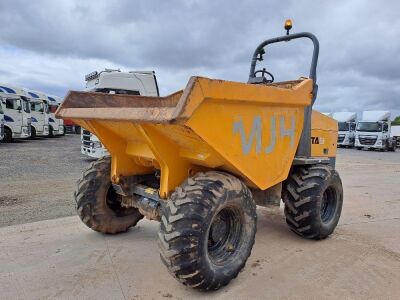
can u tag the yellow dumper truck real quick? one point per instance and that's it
(201, 159)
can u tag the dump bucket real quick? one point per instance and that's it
(249, 130)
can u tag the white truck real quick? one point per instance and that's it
(395, 134)
(15, 106)
(373, 131)
(115, 82)
(347, 126)
(39, 113)
(56, 126)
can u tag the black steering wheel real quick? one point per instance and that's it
(263, 72)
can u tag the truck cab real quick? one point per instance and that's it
(373, 131)
(115, 82)
(39, 113)
(15, 106)
(395, 134)
(56, 126)
(347, 126)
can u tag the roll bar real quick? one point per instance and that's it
(286, 38)
(304, 147)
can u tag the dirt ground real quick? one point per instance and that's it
(38, 179)
(61, 258)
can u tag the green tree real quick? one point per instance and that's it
(396, 121)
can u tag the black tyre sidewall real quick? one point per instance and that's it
(33, 132)
(335, 183)
(91, 201)
(186, 221)
(227, 271)
(303, 197)
(7, 135)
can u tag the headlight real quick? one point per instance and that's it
(96, 144)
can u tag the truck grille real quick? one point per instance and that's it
(85, 135)
(397, 139)
(87, 143)
(367, 140)
(340, 138)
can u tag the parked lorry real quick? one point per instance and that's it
(17, 114)
(71, 127)
(395, 134)
(39, 113)
(347, 127)
(373, 131)
(56, 126)
(199, 161)
(115, 82)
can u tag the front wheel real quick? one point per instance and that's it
(7, 135)
(51, 133)
(313, 198)
(98, 205)
(33, 133)
(207, 230)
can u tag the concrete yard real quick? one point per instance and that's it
(61, 258)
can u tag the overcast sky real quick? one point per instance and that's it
(50, 45)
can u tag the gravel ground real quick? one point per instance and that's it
(38, 179)
(62, 258)
(41, 186)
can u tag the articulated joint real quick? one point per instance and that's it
(134, 194)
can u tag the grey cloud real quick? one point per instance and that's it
(359, 66)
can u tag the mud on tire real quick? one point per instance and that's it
(313, 198)
(207, 230)
(98, 205)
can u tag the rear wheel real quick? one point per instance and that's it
(392, 146)
(98, 205)
(207, 230)
(313, 198)
(7, 135)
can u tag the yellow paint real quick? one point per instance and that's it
(212, 128)
(326, 130)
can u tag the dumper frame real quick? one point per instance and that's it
(200, 159)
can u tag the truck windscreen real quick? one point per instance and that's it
(37, 106)
(343, 126)
(369, 126)
(46, 108)
(25, 105)
(12, 103)
(53, 108)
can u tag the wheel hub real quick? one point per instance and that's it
(328, 205)
(219, 229)
(224, 235)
